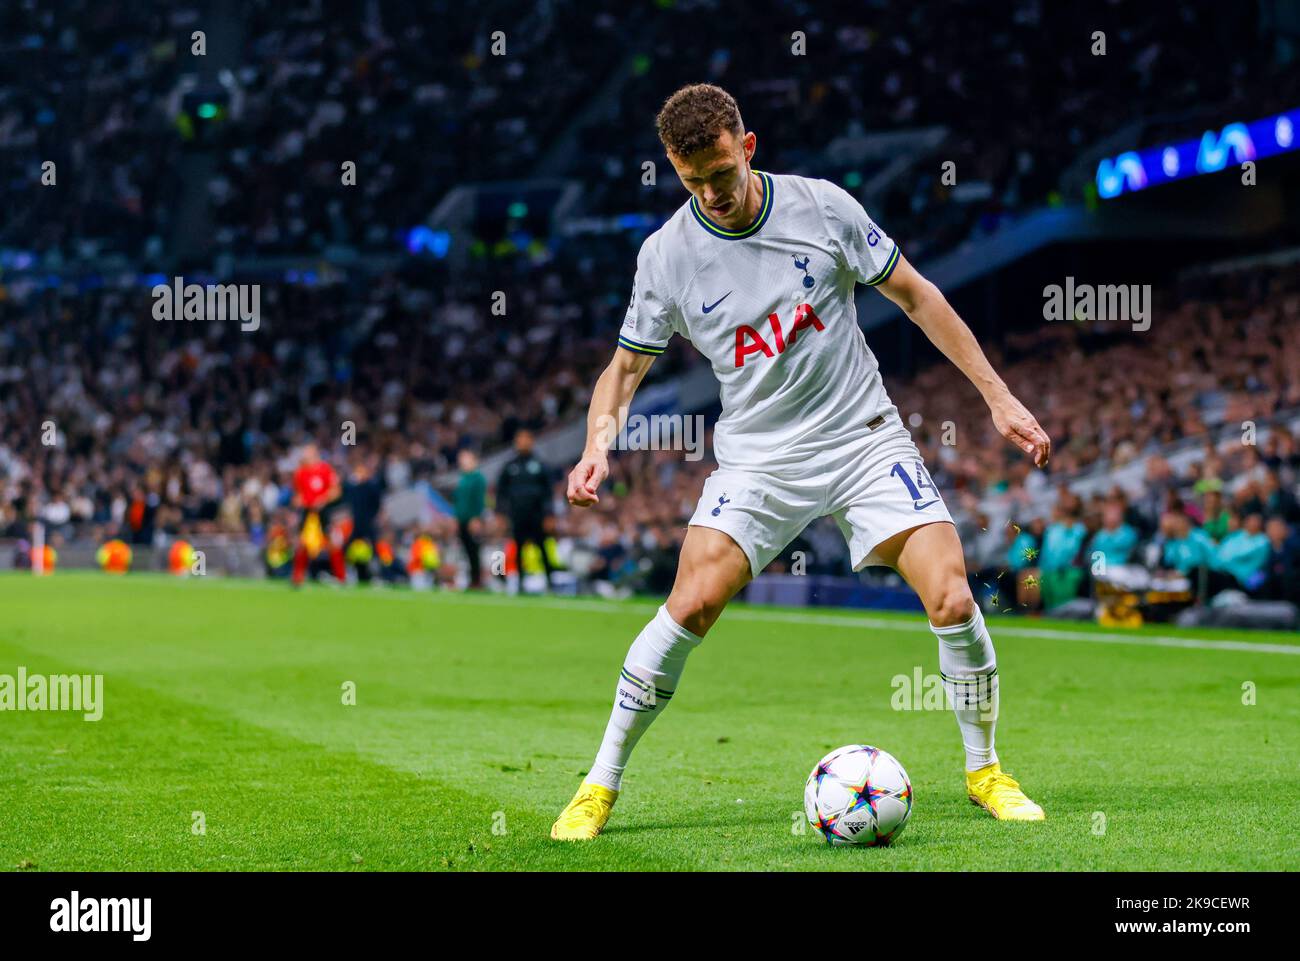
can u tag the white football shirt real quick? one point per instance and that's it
(771, 307)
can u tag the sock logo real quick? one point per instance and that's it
(643, 695)
(632, 688)
(638, 705)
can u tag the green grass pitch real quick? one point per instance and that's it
(475, 716)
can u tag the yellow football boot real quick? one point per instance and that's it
(1000, 795)
(586, 814)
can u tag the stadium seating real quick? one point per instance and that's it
(166, 429)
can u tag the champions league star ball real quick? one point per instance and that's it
(858, 795)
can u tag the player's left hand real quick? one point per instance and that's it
(1017, 425)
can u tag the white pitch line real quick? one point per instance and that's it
(920, 625)
(832, 620)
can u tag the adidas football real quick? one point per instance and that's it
(858, 795)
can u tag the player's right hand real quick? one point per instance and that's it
(585, 478)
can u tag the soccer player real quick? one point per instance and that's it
(758, 270)
(315, 488)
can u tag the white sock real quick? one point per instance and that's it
(650, 674)
(970, 678)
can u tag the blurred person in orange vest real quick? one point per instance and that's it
(180, 558)
(40, 560)
(423, 562)
(279, 551)
(114, 556)
(390, 569)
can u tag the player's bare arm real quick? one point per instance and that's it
(614, 391)
(926, 306)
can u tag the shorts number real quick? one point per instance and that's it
(923, 481)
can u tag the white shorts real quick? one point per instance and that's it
(873, 491)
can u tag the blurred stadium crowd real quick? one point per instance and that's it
(164, 430)
(96, 86)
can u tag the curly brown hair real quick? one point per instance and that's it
(693, 118)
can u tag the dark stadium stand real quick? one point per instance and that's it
(228, 169)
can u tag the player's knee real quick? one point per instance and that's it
(954, 605)
(695, 609)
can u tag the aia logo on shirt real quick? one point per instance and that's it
(750, 341)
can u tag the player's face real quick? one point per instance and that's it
(718, 178)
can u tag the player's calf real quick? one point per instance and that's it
(694, 609)
(646, 683)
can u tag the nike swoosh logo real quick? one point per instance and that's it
(638, 710)
(921, 507)
(715, 303)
